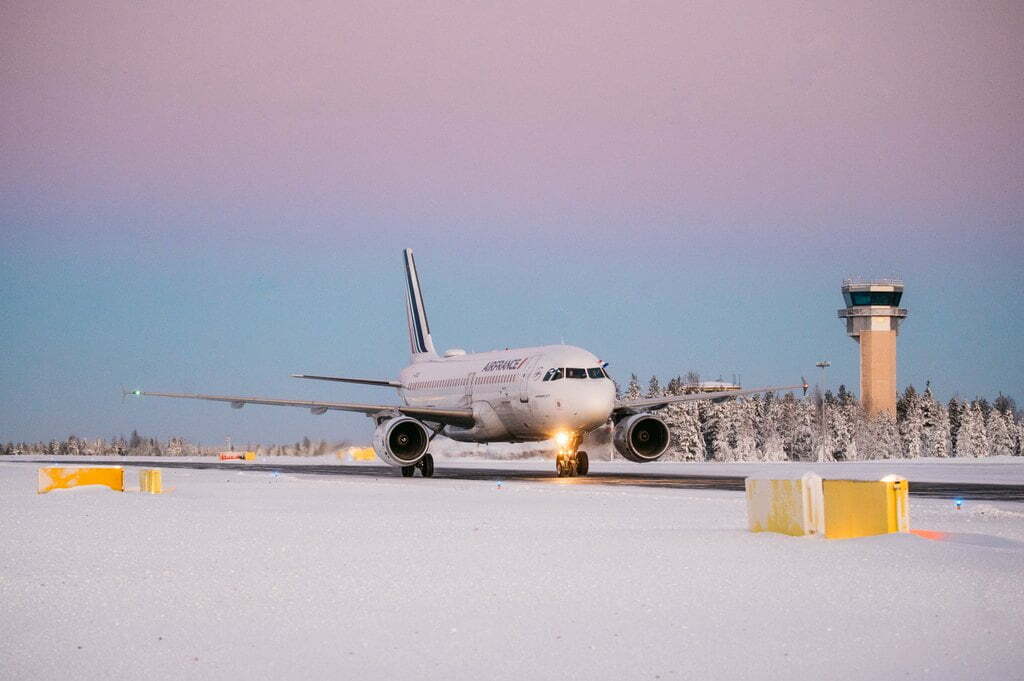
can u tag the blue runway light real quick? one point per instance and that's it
(959, 503)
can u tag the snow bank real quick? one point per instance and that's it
(239, 574)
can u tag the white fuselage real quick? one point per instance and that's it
(508, 393)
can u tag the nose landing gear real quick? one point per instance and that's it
(569, 462)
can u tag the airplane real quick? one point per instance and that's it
(532, 394)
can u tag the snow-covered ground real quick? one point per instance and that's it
(244, 574)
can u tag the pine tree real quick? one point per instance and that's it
(903, 401)
(653, 387)
(746, 440)
(888, 437)
(707, 416)
(841, 427)
(1005, 405)
(954, 411)
(801, 445)
(724, 444)
(687, 442)
(633, 388)
(972, 438)
(768, 420)
(787, 424)
(999, 434)
(912, 424)
(935, 433)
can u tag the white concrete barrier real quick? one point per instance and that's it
(789, 506)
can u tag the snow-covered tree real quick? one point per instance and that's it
(653, 388)
(842, 420)
(879, 438)
(935, 433)
(955, 410)
(722, 421)
(745, 448)
(687, 442)
(972, 438)
(1000, 434)
(912, 424)
(802, 438)
(633, 388)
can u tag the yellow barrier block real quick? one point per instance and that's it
(858, 508)
(250, 456)
(56, 477)
(151, 481)
(792, 507)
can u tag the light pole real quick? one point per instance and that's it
(823, 365)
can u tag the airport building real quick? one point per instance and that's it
(873, 315)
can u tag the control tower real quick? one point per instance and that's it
(873, 315)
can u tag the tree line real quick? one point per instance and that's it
(833, 426)
(139, 445)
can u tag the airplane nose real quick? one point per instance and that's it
(596, 407)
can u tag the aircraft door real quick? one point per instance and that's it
(468, 395)
(524, 381)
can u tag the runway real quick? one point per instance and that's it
(641, 478)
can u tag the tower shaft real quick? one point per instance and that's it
(878, 371)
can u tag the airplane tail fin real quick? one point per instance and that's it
(420, 343)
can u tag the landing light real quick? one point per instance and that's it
(562, 438)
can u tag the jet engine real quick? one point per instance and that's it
(401, 441)
(641, 438)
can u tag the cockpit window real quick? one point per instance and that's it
(575, 373)
(596, 372)
(553, 375)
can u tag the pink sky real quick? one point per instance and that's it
(616, 110)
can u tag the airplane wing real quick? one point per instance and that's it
(455, 417)
(651, 403)
(344, 379)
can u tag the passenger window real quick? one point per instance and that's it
(575, 373)
(595, 373)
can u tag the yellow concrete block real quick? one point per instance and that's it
(58, 477)
(250, 456)
(862, 508)
(151, 481)
(792, 507)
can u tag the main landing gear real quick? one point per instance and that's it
(426, 466)
(569, 462)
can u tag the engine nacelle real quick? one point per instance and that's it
(401, 441)
(641, 438)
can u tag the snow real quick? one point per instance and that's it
(242, 574)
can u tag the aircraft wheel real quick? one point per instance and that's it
(561, 467)
(582, 463)
(427, 466)
(407, 471)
